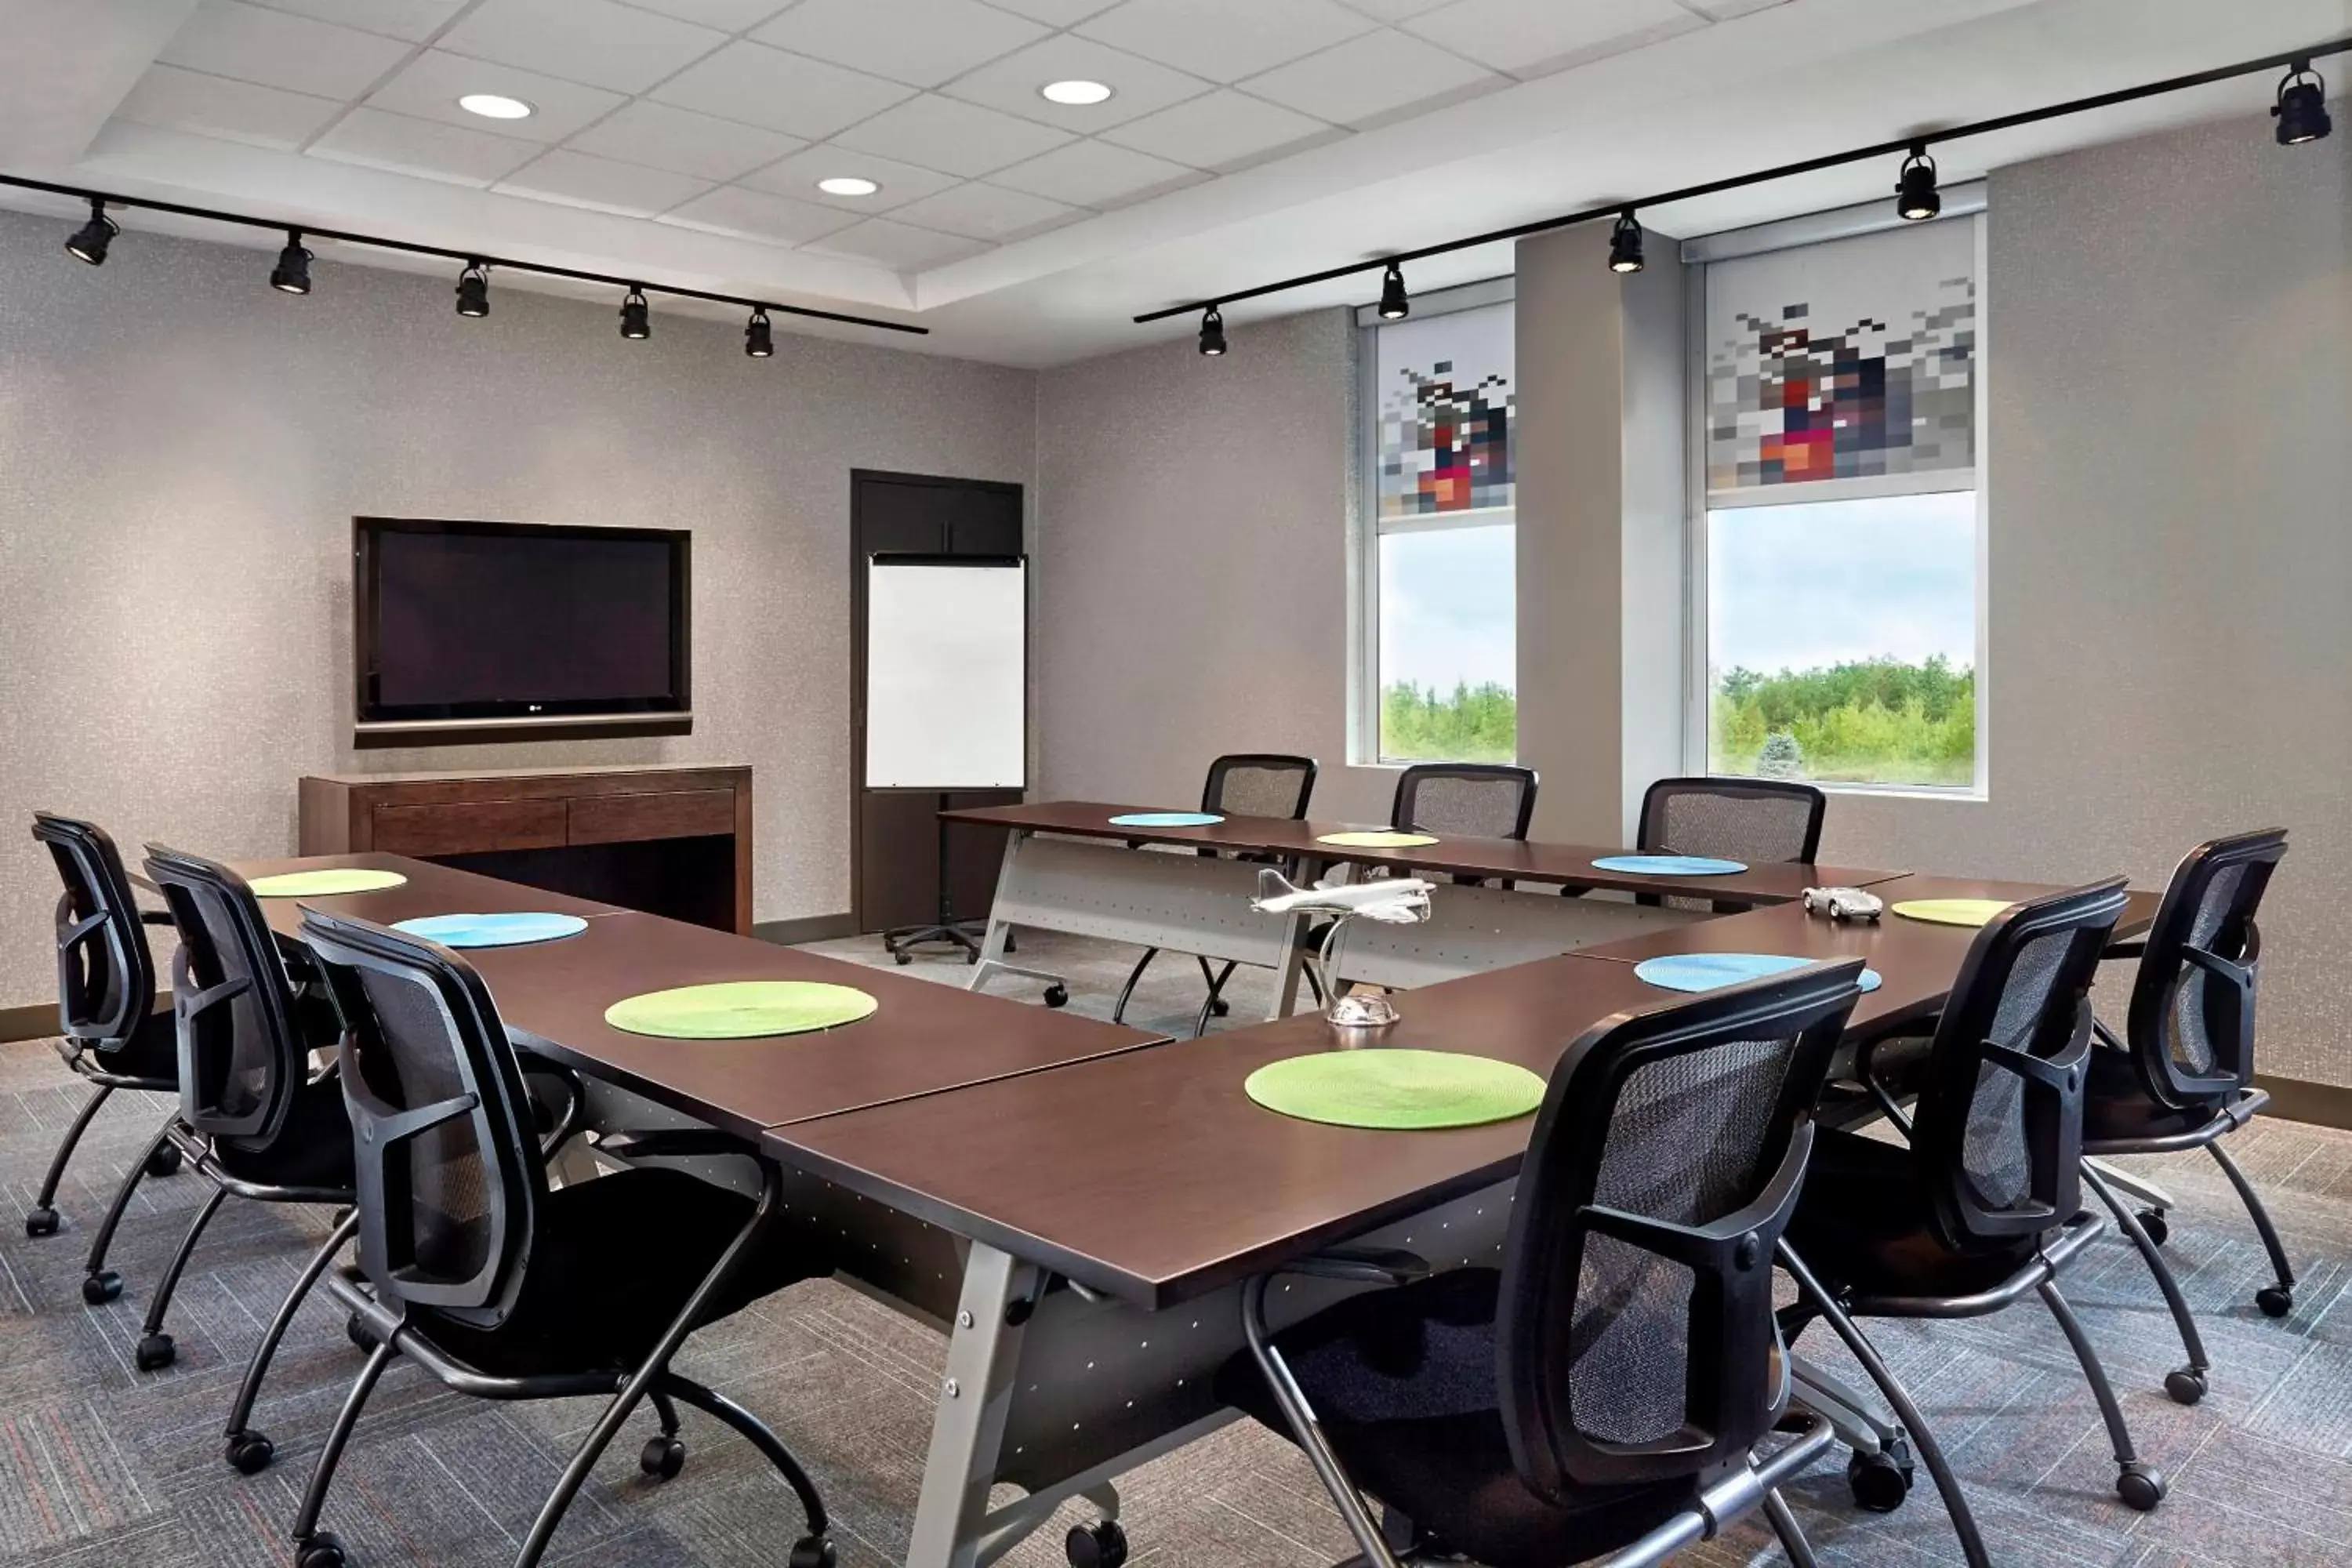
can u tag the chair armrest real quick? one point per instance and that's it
(671, 1144)
(1360, 1265)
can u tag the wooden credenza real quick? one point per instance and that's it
(673, 841)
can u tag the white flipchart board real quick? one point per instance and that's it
(947, 673)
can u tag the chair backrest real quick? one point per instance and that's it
(243, 1053)
(2193, 1009)
(1635, 1335)
(1757, 820)
(1998, 1127)
(106, 976)
(449, 1180)
(1473, 800)
(1259, 784)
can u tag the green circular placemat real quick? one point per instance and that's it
(740, 1009)
(321, 884)
(1377, 840)
(1950, 911)
(1396, 1089)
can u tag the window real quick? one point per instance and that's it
(1437, 608)
(1840, 547)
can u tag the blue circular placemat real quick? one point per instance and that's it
(1712, 970)
(1166, 819)
(493, 930)
(1671, 865)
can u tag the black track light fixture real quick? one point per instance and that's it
(2302, 107)
(89, 241)
(292, 273)
(1915, 189)
(636, 323)
(1394, 306)
(474, 290)
(759, 341)
(1625, 244)
(1212, 334)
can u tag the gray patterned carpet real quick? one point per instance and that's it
(102, 1465)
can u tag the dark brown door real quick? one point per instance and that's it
(894, 834)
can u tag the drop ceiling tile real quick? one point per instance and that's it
(1138, 86)
(941, 133)
(429, 87)
(726, 15)
(1226, 40)
(787, 92)
(1531, 37)
(591, 41)
(414, 20)
(682, 142)
(900, 247)
(232, 111)
(575, 179)
(277, 49)
(1392, 10)
(979, 211)
(1055, 13)
(923, 42)
(425, 147)
(1371, 76)
(798, 175)
(1091, 173)
(757, 215)
(1220, 131)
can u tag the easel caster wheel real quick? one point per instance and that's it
(1057, 996)
(1103, 1546)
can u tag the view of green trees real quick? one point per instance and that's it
(1475, 724)
(1873, 722)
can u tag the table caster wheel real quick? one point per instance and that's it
(1103, 1546)
(249, 1453)
(1220, 1008)
(1880, 1481)
(324, 1550)
(2275, 1301)
(2152, 1221)
(2140, 1486)
(41, 1222)
(357, 1331)
(154, 1352)
(165, 1160)
(2186, 1386)
(664, 1457)
(101, 1287)
(811, 1552)
(1056, 996)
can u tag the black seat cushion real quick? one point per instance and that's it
(312, 1149)
(1403, 1382)
(611, 1264)
(2117, 1108)
(152, 1052)
(1863, 1224)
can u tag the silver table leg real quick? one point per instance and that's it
(983, 1356)
(990, 962)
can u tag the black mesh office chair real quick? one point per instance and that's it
(2185, 1079)
(252, 1117)
(1608, 1387)
(500, 1286)
(1467, 800)
(111, 1035)
(1981, 1204)
(1240, 783)
(1759, 821)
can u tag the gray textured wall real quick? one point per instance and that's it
(181, 454)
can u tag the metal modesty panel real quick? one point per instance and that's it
(1472, 930)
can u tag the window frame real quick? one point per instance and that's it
(1365, 527)
(1965, 201)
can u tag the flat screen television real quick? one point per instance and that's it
(482, 625)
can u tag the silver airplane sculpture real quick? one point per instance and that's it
(1392, 901)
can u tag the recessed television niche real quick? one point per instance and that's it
(471, 631)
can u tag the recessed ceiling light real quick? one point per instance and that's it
(847, 185)
(495, 106)
(1077, 93)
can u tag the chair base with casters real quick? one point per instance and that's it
(150, 1064)
(717, 1258)
(901, 941)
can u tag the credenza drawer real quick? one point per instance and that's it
(666, 813)
(469, 827)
